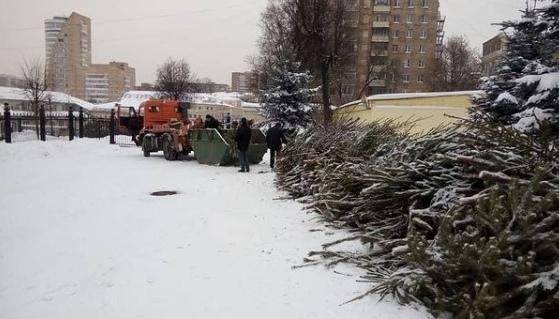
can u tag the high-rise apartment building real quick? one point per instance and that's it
(392, 45)
(52, 29)
(493, 51)
(69, 66)
(68, 49)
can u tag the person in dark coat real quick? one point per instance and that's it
(274, 139)
(242, 138)
(211, 122)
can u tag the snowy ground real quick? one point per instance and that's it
(80, 237)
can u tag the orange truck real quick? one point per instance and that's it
(164, 127)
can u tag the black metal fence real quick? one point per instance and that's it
(18, 127)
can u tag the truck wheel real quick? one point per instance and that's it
(138, 139)
(145, 148)
(168, 150)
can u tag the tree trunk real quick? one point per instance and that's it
(36, 113)
(327, 111)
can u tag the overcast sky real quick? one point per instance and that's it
(214, 36)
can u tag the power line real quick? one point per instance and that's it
(146, 36)
(143, 18)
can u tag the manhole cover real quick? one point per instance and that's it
(164, 193)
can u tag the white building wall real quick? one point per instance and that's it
(97, 88)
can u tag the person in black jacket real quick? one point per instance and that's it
(243, 141)
(211, 122)
(274, 139)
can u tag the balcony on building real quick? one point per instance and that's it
(378, 83)
(381, 9)
(381, 24)
(381, 38)
(379, 52)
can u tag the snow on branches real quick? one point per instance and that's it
(476, 203)
(525, 90)
(289, 99)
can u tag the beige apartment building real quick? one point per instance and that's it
(69, 66)
(246, 82)
(493, 51)
(107, 82)
(392, 45)
(68, 53)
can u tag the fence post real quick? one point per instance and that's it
(7, 124)
(19, 125)
(42, 124)
(81, 122)
(71, 123)
(112, 127)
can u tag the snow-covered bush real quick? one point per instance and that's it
(397, 193)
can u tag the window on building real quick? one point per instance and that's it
(348, 90)
(425, 3)
(381, 17)
(411, 3)
(420, 78)
(397, 3)
(421, 48)
(406, 78)
(352, 21)
(421, 63)
(396, 19)
(423, 34)
(409, 34)
(394, 48)
(350, 76)
(381, 32)
(396, 34)
(423, 18)
(410, 18)
(353, 46)
(408, 48)
(382, 2)
(407, 63)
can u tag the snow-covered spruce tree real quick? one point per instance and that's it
(525, 90)
(550, 18)
(289, 98)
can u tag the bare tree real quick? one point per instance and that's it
(318, 34)
(174, 79)
(208, 85)
(35, 86)
(275, 45)
(301, 36)
(203, 85)
(458, 67)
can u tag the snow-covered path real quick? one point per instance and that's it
(80, 237)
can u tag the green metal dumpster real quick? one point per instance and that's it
(218, 147)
